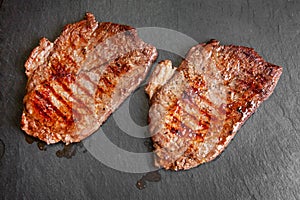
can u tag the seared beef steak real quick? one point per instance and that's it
(195, 114)
(75, 83)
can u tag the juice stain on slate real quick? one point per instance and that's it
(70, 150)
(150, 177)
(40, 144)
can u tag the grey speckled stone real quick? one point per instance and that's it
(262, 162)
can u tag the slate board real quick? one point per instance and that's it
(262, 162)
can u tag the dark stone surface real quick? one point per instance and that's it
(263, 160)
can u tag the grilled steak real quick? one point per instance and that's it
(195, 114)
(75, 83)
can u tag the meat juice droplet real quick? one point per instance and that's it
(42, 146)
(141, 184)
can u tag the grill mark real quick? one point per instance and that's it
(189, 114)
(41, 109)
(72, 111)
(203, 123)
(186, 128)
(191, 104)
(107, 82)
(194, 105)
(82, 88)
(183, 130)
(57, 96)
(106, 87)
(195, 134)
(114, 72)
(70, 93)
(86, 77)
(63, 74)
(48, 102)
(100, 89)
(187, 101)
(206, 100)
(202, 97)
(68, 90)
(175, 125)
(72, 61)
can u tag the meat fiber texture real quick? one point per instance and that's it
(198, 108)
(77, 81)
